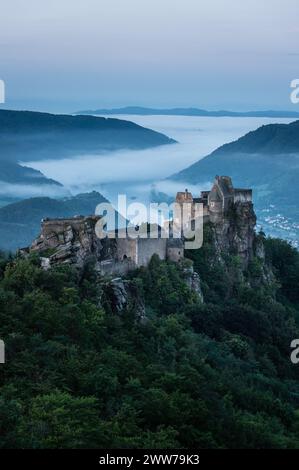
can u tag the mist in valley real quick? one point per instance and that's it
(136, 172)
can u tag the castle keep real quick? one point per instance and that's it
(74, 240)
(218, 201)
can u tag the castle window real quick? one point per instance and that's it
(125, 257)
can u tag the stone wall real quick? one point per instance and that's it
(175, 254)
(127, 249)
(147, 247)
(111, 267)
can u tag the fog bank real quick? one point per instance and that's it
(133, 172)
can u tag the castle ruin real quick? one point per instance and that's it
(218, 201)
(74, 240)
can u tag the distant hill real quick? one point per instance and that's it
(274, 148)
(266, 160)
(20, 222)
(28, 136)
(139, 110)
(13, 173)
(18, 182)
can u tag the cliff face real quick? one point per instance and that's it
(193, 281)
(234, 232)
(122, 294)
(68, 241)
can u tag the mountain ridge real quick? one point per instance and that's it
(144, 111)
(30, 135)
(270, 140)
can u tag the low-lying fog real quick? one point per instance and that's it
(134, 172)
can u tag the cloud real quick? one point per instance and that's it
(26, 191)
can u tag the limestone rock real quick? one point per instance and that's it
(119, 294)
(192, 280)
(234, 232)
(67, 241)
(122, 294)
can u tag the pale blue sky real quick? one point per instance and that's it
(64, 55)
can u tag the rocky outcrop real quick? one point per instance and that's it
(74, 241)
(117, 294)
(67, 241)
(234, 232)
(192, 280)
(259, 248)
(122, 295)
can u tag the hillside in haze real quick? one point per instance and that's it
(27, 136)
(20, 221)
(266, 160)
(11, 172)
(18, 182)
(142, 111)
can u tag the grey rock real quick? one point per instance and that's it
(192, 280)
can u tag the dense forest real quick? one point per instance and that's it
(189, 374)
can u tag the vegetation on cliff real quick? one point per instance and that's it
(189, 374)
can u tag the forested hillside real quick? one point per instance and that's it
(187, 374)
(28, 136)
